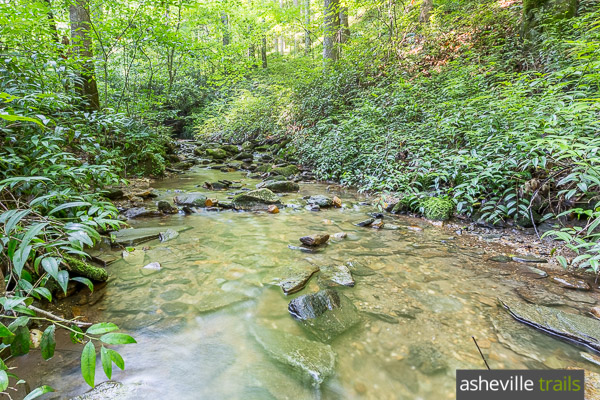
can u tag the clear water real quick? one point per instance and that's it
(183, 353)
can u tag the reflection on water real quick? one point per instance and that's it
(428, 294)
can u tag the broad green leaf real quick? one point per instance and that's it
(117, 338)
(21, 342)
(103, 327)
(106, 362)
(37, 392)
(14, 220)
(20, 258)
(42, 291)
(48, 342)
(69, 205)
(88, 363)
(13, 118)
(4, 331)
(117, 359)
(32, 232)
(3, 381)
(85, 281)
(50, 265)
(63, 280)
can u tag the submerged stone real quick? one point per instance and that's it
(292, 279)
(133, 236)
(325, 314)
(529, 259)
(258, 199)
(366, 222)
(427, 359)
(359, 269)
(313, 359)
(338, 275)
(501, 259)
(215, 301)
(538, 296)
(109, 390)
(382, 317)
(572, 327)
(191, 200)
(571, 283)
(167, 235)
(282, 186)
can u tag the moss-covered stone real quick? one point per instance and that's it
(230, 148)
(255, 200)
(437, 208)
(282, 186)
(81, 268)
(264, 168)
(216, 154)
(247, 145)
(286, 171)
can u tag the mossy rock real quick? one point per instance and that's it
(81, 268)
(263, 148)
(247, 146)
(255, 200)
(230, 148)
(264, 168)
(282, 186)
(150, 164)
(403, 205)
(286, 171)
(216, 154)
(437, 208)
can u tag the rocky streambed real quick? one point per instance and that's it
(242, 283)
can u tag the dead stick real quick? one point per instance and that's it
(486, 364)
(57, 318)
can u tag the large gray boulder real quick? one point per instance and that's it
(191, 200)
(258, 199)
(325, 314)
(313, 359)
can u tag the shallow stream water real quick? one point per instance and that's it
(430, 291)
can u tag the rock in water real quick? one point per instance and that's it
(535, 295)
(320, 200)
(360, 270)
(314, 240)
(141, 212)
(273, 209)
(191, 200)
(153, 266)
(291, 279)
(110, 390)
(167, 235)
(427, 359)
(573, 327)
(571, 283)
(529, 259)
(133, 236)
(337, 202)
(366, 222)
(282, 186)
(259, 199)
(325, 314)
(314, 359)
(338, 275)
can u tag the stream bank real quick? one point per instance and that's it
(374, 313)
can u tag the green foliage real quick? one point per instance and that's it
(437, 208)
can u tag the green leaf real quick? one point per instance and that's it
(32, 232)
(85, 281)
(37, 392)
(106, 362)
(50, 265)
(72, 204)
(88, 363)
(21, 342)
(42, 291)
(63, 280)
(4, 331)
(117, 338)
(103, 327)
(3, 381)
(77, 336)
(14, 220)
(117, 359)
(13, 118)
(48, 342)
(20, 258)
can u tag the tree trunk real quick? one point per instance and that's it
(82, 45)
(307, 41)
(426, 7)
(332, 25)
(225, 22)
(263, 52)
(344, 26)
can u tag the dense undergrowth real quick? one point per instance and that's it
(503, 124)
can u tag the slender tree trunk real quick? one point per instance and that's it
(307, 41)
(79, 17)
(344, 26)
(263, 52)
(225, 22)
(332, 25)
(426, 7)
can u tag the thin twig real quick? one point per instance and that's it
(56, 317)
(486, 364)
